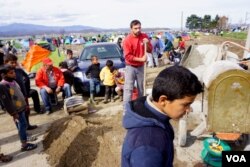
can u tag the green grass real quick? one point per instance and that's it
(236, 35)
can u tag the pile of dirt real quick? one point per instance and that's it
(82, 140)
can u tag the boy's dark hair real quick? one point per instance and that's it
(10, 57)
(176, 82)
(69, 51)
(109, 63)
(4, 69)
(112, 69)
(134, 22)
(63, 64)
(93, 56)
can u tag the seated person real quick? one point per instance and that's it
(68, 75)
(71, 61)
(119, 81)
(50, 80)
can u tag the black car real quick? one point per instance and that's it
(104, 51)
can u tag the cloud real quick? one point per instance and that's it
(116, 13)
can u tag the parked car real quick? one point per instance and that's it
(104, 51)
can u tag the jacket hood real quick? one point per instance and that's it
(132, 119)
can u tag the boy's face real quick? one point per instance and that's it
(94, 60)
(13, 64)
(179, 107)
(11, 74)
(69, 56)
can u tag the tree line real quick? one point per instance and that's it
(206, 22)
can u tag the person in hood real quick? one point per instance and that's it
(149, 138)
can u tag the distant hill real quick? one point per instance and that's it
(19, 29)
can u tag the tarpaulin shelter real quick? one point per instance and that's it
(169, 36)
(185, 36)
(34, 57)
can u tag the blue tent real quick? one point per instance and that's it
(169, 36)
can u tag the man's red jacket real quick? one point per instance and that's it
(43, 80)
(133, 47)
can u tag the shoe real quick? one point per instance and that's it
(48, 112)
(31, 127)
(29, 147)
(40, 111)
(5, 158)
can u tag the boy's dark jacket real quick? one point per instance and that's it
(149, 138)
(94, 71)
(6, 99)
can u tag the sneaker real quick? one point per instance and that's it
(31, 127)
(29, 147)
(48, 112)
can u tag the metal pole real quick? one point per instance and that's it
(247, 43)
(182, 21)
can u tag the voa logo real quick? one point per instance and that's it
(236, 158)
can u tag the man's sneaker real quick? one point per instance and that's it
(48, 112)
(31, 127)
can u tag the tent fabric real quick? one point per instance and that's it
(34, 56)
(55, 56)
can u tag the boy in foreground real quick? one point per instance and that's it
(149, 138)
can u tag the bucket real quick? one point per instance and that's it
(212, 151)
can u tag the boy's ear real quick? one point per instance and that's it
(162, 100)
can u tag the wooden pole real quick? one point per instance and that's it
(145, 70)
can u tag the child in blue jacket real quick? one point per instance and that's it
(149, 138)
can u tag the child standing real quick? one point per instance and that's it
(107, 77)
(93, 72)
(149, 138)
(23, 81)
(15, 104)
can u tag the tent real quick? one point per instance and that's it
(78, 41)
(34, 57)
(169, 36)
(185, 36)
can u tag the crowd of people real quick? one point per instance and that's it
(149, 138)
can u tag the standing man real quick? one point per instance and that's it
(135, 58)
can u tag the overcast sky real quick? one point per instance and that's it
(118, 13)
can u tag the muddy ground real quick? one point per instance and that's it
(91, 140)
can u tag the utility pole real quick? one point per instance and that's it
(248, 37)
(246, 18)
(247, 43)
(182, 21)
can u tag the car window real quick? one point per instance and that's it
(102, 51)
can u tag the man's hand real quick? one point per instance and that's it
(15, 117)
(145, 40)
(48, 90)
(145, 58)
(58, 89)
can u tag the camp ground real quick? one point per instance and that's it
(77, 138)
